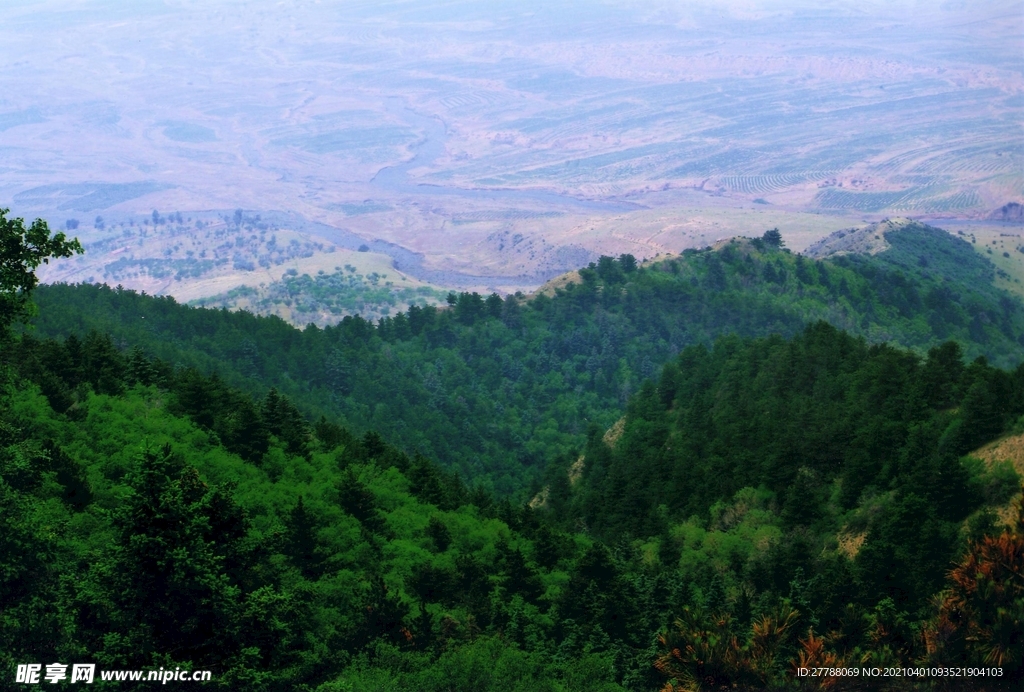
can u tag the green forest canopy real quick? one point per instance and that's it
(146, 526)
(494, 388)
(155, 514)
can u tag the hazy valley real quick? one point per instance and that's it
(505, 147)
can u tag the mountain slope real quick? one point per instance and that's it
(143, 524)
(783, 502)
(152, 517)
(495, 387)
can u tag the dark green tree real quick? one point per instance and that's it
(300, 542)
(245, 432)
(772, 237)
(439, 534)
(21, 252)
(177, 584)
(331, 435)
(359, 502)
(284, 421)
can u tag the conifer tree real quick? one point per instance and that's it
(169, 588)
(301, 544)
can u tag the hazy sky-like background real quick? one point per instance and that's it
(297, 102)
(410, 122)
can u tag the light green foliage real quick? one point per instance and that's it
(737, 532)
(299, 559)
(488, 664)
(327, 297)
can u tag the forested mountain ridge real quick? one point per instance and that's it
(496, 387)
(826, 428)
(153, 516)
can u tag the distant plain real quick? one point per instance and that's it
(492, 146)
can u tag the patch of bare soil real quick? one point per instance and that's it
(1009, 449)
(549, 288)
(615, 432)
(851, 542)
(576, 470)
(869, 240)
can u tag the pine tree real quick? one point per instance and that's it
(139, 369)
(359, 502)
(285, 422)
(520, 578)
(439, 534)
(103, 363)
(301, 544)
(383, 616)
(773, 238)
(246, 433)
(331, 435)
(169, 587)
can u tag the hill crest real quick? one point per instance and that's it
(869, 240)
